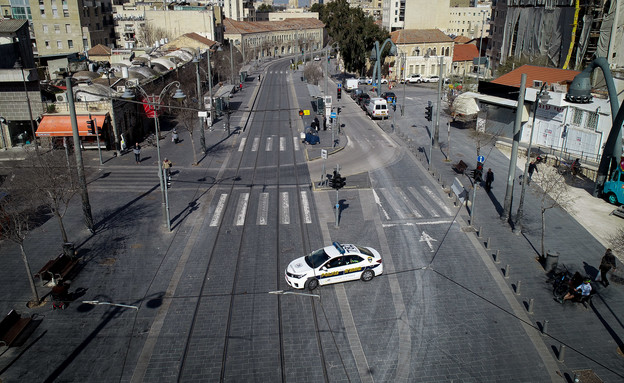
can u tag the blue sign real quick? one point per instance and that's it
(332, 115)
(480, 159)
(339, 85)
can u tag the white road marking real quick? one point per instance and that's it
(255, 144)
(282, 144)
(410, 204)
(418, 223)
(393, 203)
(378, 202)
(426, 238)
(306, 207)
(269, 144)
(423, 201)
(284, 213)
(242, 144)
(241, 210)
(437, 200)
(216, 218)
(263, 209)
(296, 143)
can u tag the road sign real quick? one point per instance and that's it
(306, 112)
(339, 85)
(201, 114)
(333, 115)
(480, 159)
(324, 154)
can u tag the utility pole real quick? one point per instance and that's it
(82, 181)
(514, 151)
(436, 134)
(200, 106)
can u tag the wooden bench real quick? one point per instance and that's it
(11, 327)
(56, 269)
(460, 167)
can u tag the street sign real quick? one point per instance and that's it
(306, 112)
(202, 114)
(480, 159)
(339, 85)
(324, 154)
(333, 115)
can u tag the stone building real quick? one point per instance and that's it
(422, 49)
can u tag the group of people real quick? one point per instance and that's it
(584, 290)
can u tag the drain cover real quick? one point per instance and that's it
(587, 376)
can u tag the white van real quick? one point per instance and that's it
(351, 84)
(377, 108)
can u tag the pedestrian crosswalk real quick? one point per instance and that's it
(412, 202)
(268, 144)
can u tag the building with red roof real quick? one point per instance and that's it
(463, 56)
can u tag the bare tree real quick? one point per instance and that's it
(617, 241)
(16, 218)
(46, 176)
(186, 114)
(313, 73)
(553, 192)
(148, 34)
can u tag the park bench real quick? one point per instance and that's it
(460, 167)
(11, 327)
(56, 269)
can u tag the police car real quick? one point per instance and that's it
(332, 264)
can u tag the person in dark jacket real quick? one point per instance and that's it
(489, 178)
(606, 264)
(532, 168)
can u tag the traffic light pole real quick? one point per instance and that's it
(97, 137)
(337, 209)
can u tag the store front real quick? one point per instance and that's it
(57, 127)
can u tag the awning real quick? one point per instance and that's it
(60, 126)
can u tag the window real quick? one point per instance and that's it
(45, 28)
(577, 117)
(59, 44)
(57, 28)
(65, 13)
(54, 12)
(67, 28)
(592, 121)
(70, 43)
(42, 12)
(47, 44)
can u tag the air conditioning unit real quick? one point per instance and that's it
(132, 82)
(120, 89)
(61, 97)
(537, 83)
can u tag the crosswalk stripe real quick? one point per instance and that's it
(284, 212)
(306, 207)
(393, 203)
(263, 209)
(296, 143)
(269, 144)
(282, 144)
(437, 200)
(241, 210)
(420, 197)
(255, 144)
(242, 144)
(216, 218)
(410, 204)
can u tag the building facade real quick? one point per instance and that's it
(421, 50)
(471, 22)
(425, 14)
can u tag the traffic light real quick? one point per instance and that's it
(337, 182)
(338, 110)
(339, 93)
(429, 111)
(91, 126)
(342, 181)
(330, 181)
(300, 113)
(478, 172)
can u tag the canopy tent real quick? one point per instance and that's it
(60, 126)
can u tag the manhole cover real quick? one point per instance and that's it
(587, 376)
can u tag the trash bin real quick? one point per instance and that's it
(69, 249)
(552, 259)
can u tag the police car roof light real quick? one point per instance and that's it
(339, 247)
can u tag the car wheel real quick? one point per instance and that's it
(311, 284)
(367, 275)
(612, 198)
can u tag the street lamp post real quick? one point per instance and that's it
(154, 104)
(376, 56)
(209, 87)
(520, 213)
(107, 71)
(231, 63)
(18, 64)
(202, 137)
(480, 42)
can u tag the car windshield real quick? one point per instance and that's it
(365, 251)
(316, 258)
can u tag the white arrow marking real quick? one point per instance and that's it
(426, 238)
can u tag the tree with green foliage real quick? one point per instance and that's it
(265, 8)
(353, 30)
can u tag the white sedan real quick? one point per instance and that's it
(332, 264)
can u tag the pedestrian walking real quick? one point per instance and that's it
(167, 166)
(606, 264)
(532, 168)
(240, 86)
(489, 178)
(137, 153)
(316, 123)
(174, 136)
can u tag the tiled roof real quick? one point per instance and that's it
(199, 38)
(461, 39)
(99, 50)
(11, 25)
(419, 36)
(243, 27)
(548, 75)
(465, 52)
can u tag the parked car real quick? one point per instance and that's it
(384, 80)
(351, 84)
(356, 94)
(316, 58)
(362, 98)
(390, 97)
(377, 108)
(433, 79)
(414, 79)
(364, 80)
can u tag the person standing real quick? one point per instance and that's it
(167, 166)
(532, 168)
(137, 153)
(489, 178)
(606, 264)
(174, 136)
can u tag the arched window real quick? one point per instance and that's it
(447, 51)
(428, 51)
(434, 51)
(417, 52)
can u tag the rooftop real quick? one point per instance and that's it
(417, 36)
(465, 52)
(243, 27)
(536, 73)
